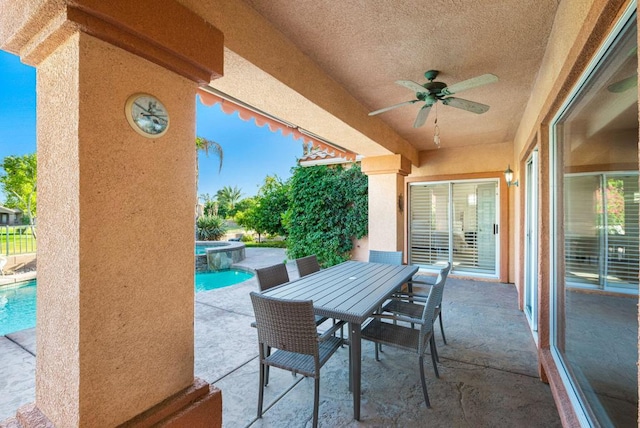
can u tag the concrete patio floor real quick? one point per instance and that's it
(488, 374)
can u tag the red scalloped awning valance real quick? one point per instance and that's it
(246, 114)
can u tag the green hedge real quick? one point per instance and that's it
(267, 244)
(328, 207)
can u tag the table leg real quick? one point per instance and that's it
(356, 354)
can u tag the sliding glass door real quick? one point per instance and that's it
(456, 222)
(531, 242)
(595, 205)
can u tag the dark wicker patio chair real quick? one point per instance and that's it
(289, 327)
(277, 274)
(307, 265)
(411, 304)
(387, 257)
(272, 276)
(392, 334)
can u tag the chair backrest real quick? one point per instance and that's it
(288, 325)
(307, 265)
(434, 299)
(448, 269)
(388, 257)
(271, 276)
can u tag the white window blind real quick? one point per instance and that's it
(429, 224)
(456, 222)
(601, 237)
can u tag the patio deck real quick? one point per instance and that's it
(488, 374)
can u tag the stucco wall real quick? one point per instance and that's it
(481, 158)
(569, 22)
(122, 340)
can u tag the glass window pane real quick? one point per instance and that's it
(595, 313)
(429, 224)
(582, 229)
(621, 201)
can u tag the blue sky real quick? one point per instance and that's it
(250, 152)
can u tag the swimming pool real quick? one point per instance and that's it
(18, 302)
(223, 278)
(17, 307)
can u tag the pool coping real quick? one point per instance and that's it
(18, 277)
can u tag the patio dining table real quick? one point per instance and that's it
(351, 292)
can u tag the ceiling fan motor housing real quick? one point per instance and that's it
(434, 88)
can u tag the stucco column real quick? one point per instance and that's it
(386, 200)
(115, 336)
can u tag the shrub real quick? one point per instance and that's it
(211, 228)
(327, 209)
(267, 244)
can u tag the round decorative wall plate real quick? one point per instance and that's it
(147, 115)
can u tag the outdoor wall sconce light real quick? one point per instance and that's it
(508, 176)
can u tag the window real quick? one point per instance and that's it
(594, 236)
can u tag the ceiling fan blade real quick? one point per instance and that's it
(422, 116)
(474, 82)
(624, 84)
(382, 110)
(471, 106)
(415, 87)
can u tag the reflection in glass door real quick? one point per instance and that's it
(601, 221)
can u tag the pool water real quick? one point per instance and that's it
(202, 248)
(17, 307)
(223, 278)
(18, 302)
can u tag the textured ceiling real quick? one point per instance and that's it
(367, 45)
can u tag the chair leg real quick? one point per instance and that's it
(376, 346)
(434, 355)
(435, 348)
(261, 389)
(316, 402)
(424, 382)
(444, 339)
(266, 368)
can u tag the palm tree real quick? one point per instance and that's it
(204, 145)
(229, 196)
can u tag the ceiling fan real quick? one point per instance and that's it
(432, 92)
(624, 84)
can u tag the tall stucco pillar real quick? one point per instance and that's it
(115, 314)
(386, 200)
